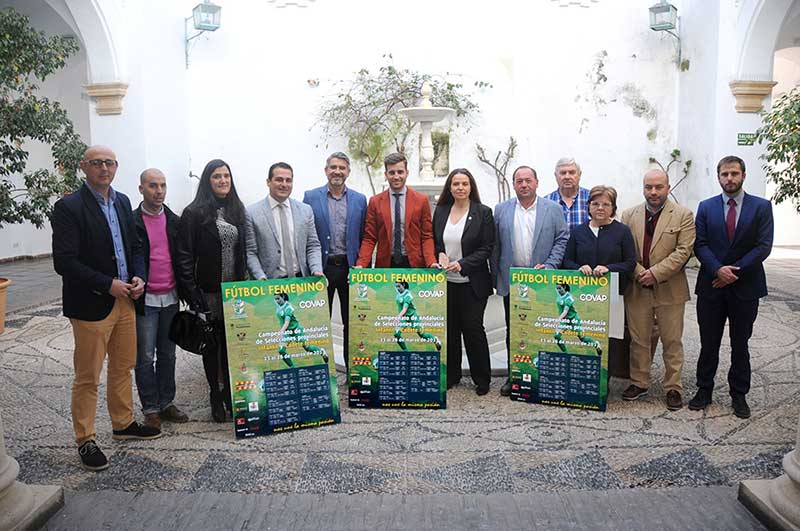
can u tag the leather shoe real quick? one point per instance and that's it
(701, 400)
(633, 392)
(674, 400)
(506, 389)
(740, 407)
(171, 413)
(152, 420)
(217, 410)
(481, 390)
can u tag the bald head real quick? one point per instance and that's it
(99, 152)
(656, 188)
(153, 187)
(99, 164)
(151, 173)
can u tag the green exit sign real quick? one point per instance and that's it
(746, 139)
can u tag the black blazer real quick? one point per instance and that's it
(613, 247)
(172, 240)
(477, 243)
(200, 256)
(83, 253)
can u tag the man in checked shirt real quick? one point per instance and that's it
(570, 196)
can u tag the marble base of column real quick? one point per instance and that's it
(776, 502)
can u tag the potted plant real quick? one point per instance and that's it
(27, 57)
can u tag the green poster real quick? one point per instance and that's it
(559, 338)
(280, 355)
(398, 338)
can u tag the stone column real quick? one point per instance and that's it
(776, 502)
(23, 506)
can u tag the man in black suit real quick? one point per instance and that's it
(98, 255)
(734, 237)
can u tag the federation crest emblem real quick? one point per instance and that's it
(361, 292)
(522, 291)
(238, 309)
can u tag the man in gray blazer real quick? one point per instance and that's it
(278, 223)
(531, 232)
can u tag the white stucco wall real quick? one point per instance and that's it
(246, 97)
(250, 78)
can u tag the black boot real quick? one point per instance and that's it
(217, 409)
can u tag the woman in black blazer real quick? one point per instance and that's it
(602, 244)
(211, 250)
(463, 235)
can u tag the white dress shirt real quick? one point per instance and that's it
(276, 216)
(524, 225)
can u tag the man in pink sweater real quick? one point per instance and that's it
(157, 227)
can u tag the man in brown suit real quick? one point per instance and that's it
(664, 233)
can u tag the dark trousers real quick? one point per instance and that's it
(711, 317)
(336, 271)
(465, 317)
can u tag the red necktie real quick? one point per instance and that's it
(730, 219)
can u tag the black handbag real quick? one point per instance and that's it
(192, 333)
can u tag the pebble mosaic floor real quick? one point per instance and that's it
(477, 445)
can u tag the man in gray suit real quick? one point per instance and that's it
(281, 238)
(531, 232)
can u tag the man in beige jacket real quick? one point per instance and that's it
(664, 233)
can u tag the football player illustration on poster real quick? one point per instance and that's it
(408, 317)
(570, 320)
(291, 329)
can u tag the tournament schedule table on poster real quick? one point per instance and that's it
(297, 395)
(409, 376)
(568, 377)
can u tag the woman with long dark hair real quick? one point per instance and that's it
(463, 236)
(211, 250)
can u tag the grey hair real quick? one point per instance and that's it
(566, 161)
(337, 155)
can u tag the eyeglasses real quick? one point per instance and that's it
(595, 204)
(99, 162)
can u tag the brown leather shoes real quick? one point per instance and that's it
(172, 414)
(674, 400)
(152, 420)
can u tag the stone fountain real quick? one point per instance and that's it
(426, 115)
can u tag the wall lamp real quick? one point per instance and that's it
(205, 17)
(664, 17)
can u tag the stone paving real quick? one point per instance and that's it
(478, 445)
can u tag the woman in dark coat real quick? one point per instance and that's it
(211, 250)
(463, 235)
(602, 244)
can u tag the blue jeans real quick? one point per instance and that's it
(156, 383)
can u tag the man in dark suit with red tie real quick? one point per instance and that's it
(398, 222)
(734, 237)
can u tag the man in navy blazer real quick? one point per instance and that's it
(339, 214)
(734, 237)
(531, 232)
(98, 254)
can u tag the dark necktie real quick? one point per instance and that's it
(730, 219)
(396, 249)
